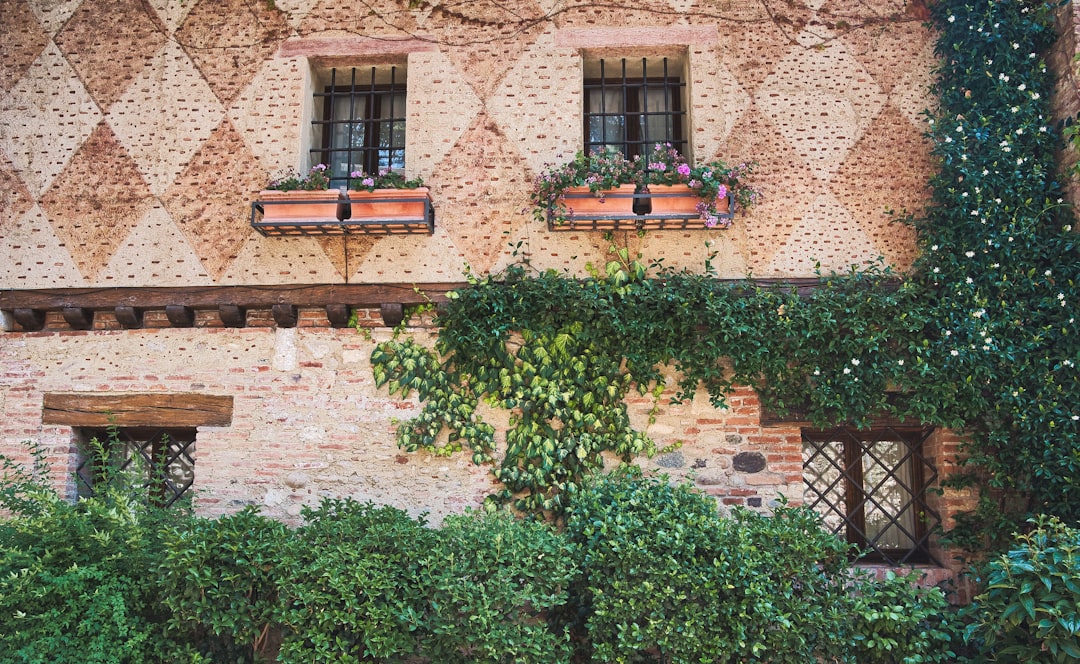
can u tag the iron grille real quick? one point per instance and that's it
(162, 458)
(630, 111)
(362, 125)
(870, 488)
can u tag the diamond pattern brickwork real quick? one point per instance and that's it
(164, 116)
(97, 200)
(21, 41)
(229, 40)
(48, 95)
(108, 43)
(209, 201)
(194, 105)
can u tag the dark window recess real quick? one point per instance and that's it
(360, 123)
(162, 459)
(630, 109)
(870, 488)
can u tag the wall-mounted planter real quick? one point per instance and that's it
(381, 212)
(669, 207)
(392, 211)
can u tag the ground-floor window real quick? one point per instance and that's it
(870, 488)
(162, 459)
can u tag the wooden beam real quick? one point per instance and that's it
(232, 315)
(284, 315)
(392, 313)
(211, 297)
(129, 410)
(338, 315)
(129, 317)
(79, 318)
(179, 315)
(29, 319)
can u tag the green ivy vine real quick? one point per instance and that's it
(979, 337)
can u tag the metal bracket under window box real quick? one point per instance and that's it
(670, 207)
(311, 213)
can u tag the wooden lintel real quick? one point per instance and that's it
(137, 409)
(232, 315)
(179, 315)
(338, 315)
(284, 315)
(392, 313)
(79, 318)
(129, 317)
(29, 319)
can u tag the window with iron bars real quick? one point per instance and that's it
(630, 106)
(870, 488)
(359, 122)
(162, 460)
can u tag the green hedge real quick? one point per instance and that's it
(643, 571)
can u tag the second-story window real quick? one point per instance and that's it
(632, 104)
(359, 121)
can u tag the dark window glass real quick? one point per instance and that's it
(870, 488)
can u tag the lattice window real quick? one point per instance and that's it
(164, 458)
(631, 105)
(360, 122)
(870, 488)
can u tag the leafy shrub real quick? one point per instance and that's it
(666, 578)
(221, 582)
(78, 581)
(894, 621)
(1028, 612)
(351, 584)
(491, 581)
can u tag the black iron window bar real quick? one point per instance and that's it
(631, 112)
(835, 473)
(368, 135)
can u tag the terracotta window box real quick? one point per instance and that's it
(671, 207)
(330, 212)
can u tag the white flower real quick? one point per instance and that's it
(969, 280)
(948, 333)
(948, 139)
(978, 313)
(1076, 417)
(954, 352)
(996, 265)
(1020, 131)
(960, 128)
(952, 19)
(933, 248)
(1015, 109)
(1048, 272)
(817, 372)
(1016, 46)
(846, 371)
(854, 361)
(1035, 95)
(969, 254)
(937, 269)
(900, 362)
(1022, 87)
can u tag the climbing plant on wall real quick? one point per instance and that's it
(979, 337)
